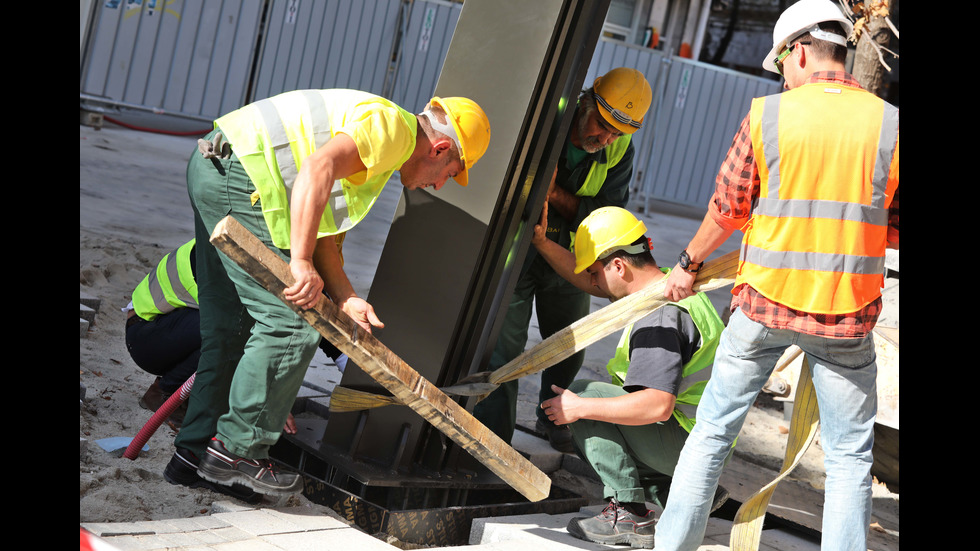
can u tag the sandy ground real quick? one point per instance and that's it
(133, 208)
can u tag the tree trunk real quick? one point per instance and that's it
(868, 69)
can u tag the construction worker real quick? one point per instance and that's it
(163, 329)
(296, 170)
(631, 430)
(163, 333)
(812, 181)
(594, 170)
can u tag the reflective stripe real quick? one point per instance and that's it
(886, 152)
(286, 161)
(836, 210)
(820, 262)
(770, 142)
(163, 290)
(156, 286)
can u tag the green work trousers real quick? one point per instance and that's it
(558, 304)
(634, 463)
(254, 349)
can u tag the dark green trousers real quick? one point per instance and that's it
(254, 349)
(635, 463)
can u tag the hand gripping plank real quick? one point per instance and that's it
(390, 371)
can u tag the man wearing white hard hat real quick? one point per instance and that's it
(811, 179)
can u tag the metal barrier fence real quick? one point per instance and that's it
(198, 59)
(695, 113)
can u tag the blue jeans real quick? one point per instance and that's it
(844, 374)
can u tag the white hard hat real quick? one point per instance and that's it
(802, 17)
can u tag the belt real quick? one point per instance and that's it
(132, 319)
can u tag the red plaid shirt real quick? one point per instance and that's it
(736, 187)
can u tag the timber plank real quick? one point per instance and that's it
(384, 366)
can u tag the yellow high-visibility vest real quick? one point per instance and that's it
(272, 137)
(696, 371)
(168, 287)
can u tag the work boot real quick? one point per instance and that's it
(182, 470)
(155, 397)
(224, 467)
(615, 524)
(721, 496)
(559, 436)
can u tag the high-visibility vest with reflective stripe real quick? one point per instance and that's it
(696, 371)
(272, 137)
(170, 286)
(827, 156)
(597, 172)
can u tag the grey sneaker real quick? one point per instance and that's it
(615, 525)
(223, 467)
(182, 469)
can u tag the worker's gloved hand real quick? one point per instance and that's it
(216, 148)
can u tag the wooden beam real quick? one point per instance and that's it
(406, 384)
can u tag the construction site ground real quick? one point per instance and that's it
(133, 209)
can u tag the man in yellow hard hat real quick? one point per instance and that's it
(594, 170)
(631, 430)
(298, 170)
(811, 179)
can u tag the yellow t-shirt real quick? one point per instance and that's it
(272, 138)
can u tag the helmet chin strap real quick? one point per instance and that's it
(444, 129)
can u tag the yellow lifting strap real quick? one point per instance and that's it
(747, 528)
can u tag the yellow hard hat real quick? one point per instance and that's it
(605, 231)
(472, 129)
(624, 96)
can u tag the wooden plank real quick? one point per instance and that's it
(406, 384)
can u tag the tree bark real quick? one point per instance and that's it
(868, 68)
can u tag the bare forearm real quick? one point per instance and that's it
(328, 264)
(636, 408)
(562, 261)
(709, 237)
(309, 197)
(564, 202)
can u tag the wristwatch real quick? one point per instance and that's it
(687, 265)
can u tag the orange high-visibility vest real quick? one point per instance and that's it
(827, 156)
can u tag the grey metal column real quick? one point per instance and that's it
(451, 257)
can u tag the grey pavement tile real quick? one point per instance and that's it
(259, 522)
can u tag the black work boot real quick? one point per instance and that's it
(559, 436)
(615, 524)
(182, 470)
(262, 475)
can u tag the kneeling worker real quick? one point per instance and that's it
(632, 430)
